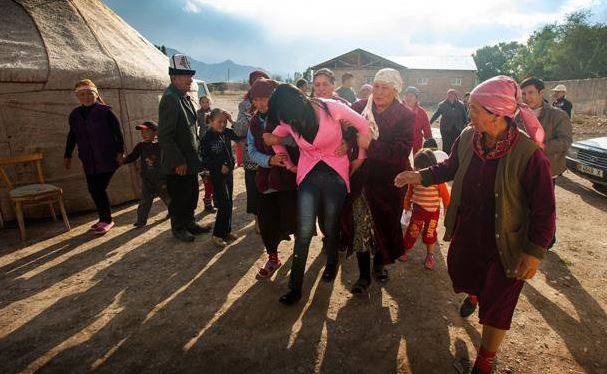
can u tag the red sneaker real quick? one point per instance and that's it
(429, 263)
(269, 268)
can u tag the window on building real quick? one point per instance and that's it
(369, 79)
(422, 81)
(456, 81)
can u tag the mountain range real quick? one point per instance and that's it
(217, 72)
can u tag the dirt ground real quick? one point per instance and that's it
(138, 301)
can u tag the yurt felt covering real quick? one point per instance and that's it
(45, 47)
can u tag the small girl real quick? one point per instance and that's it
(202, 113)
(426, 210)
(96, 131)
(218, 158)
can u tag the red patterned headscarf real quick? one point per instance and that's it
(501, 95)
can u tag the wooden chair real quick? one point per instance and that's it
(32, 194)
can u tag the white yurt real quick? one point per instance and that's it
(45, 47)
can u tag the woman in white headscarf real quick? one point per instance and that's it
(371, 218)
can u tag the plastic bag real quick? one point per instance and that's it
(405, 218)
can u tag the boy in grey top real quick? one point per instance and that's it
(556, 124)
(153, 182)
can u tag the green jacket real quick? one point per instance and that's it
(177, 132)
(347, 93)
(511, 204)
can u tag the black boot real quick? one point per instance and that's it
(196, 229)
(183, 235)
(364, 271)
(139, 224)
(291, 297)
(379, 271)
(330, 272)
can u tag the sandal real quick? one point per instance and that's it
(361, 286)
(103, 228)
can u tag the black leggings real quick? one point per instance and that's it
(252, 192)
(97, 185)
(277, 217)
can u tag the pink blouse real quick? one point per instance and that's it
(326, 142)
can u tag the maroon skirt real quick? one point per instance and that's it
(475, 268)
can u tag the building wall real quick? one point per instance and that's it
(227, 87)
(434, 84)
(589, 96)
(435, 89)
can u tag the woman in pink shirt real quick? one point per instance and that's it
(322, 175)
(421, 126)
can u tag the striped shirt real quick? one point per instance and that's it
(428, 198)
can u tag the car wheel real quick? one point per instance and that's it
(600, 187)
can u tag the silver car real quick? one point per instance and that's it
(588, 159)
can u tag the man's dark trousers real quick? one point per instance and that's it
(183, 191)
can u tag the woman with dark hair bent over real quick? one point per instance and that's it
(321, 175)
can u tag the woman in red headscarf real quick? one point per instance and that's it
(502, 213)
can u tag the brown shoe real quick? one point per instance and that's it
(219, 242)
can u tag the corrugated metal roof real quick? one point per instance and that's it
(435, 62)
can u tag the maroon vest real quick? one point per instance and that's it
(275, 178)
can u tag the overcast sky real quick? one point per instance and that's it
(282, 36)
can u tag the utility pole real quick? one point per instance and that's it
(228, 75)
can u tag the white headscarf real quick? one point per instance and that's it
(391, 77)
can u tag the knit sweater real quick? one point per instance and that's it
(428, 198)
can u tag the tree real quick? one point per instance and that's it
(538, 60)
(581, 51)
(307, 75)
(161, 48)
(497, 60)
(574, 49)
